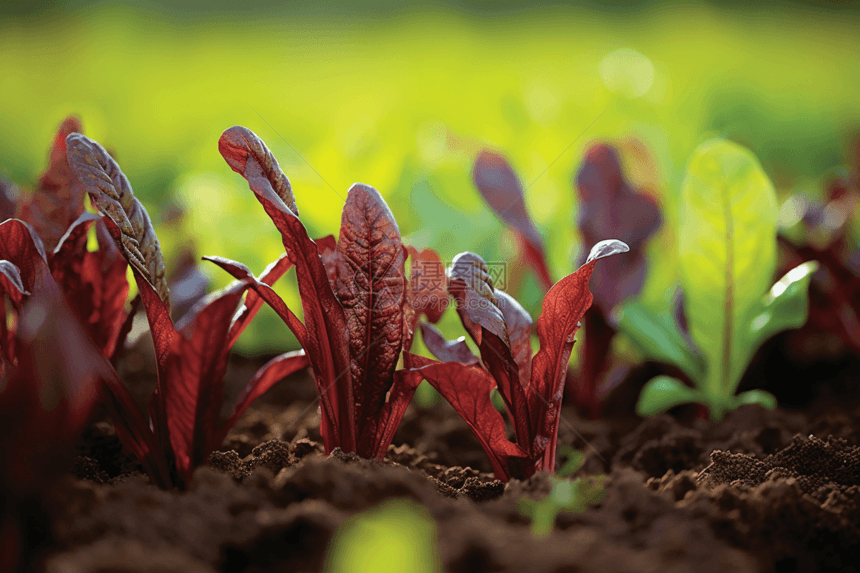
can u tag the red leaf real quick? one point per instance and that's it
(371, 286)
(193, 388)
(471, 285)
(562, 310)
(20, 245)
(519, 327)
(241, 272)
(446, 350)
(384, 426)
(426, 292)
(503, 192)
(253, 301)
(467, 388)
(94, 282)
(58, 198)
(247, 155)
(327, 247)
(267, 376)
(326, 343)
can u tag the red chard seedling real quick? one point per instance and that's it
(531, 387)
(359, 310)
(191, 356)
(727, 260)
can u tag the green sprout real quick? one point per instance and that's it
(571, 496)
(727, 259)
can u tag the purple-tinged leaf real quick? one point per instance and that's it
(446, 350)
(384, 426)
(609, 205)
(502, 190)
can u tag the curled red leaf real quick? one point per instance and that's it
(247, 155)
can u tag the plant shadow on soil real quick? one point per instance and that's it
(760, 491)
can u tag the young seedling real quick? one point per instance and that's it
(566, 495)
(532, 388)
(358, 308)
(608, 205)
(191, 356)
(727, 258)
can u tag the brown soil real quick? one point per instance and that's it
(760, 491)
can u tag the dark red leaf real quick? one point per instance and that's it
(20, 245)
(11, 284)
(237, 145)
(265, 293)
(58, 199)
(385, 424)
(519, 328)
(188, 283)
(609, 205)
(326, 343)
(328, 254)
(94, 282)
(503, 192)
(426, 292)
(562, 309)
(446, 350)
(193, 388)
(467, 388)
(267, 376)
(371, 286)
(253, 302)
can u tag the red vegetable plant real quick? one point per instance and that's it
(191, 356)
(532, 388)
(359, 312)
(608, 204)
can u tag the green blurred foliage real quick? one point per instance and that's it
(398, 535)
(403, 99)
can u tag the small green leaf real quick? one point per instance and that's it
(760, 397)
(726, 254)
(574, 460)
(785, 306)
(664, 392)
(659, 340)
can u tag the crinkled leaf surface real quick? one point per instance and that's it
(111, 193)
(371, 286)
(727, 254)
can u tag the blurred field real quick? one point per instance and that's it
(403, 99)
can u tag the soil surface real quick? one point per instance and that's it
(760, 491)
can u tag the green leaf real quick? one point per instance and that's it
(726, 254)
(760, 397)
(664, 392)
(785, 306)
(659, 340)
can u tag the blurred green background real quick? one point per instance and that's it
(403, 97)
